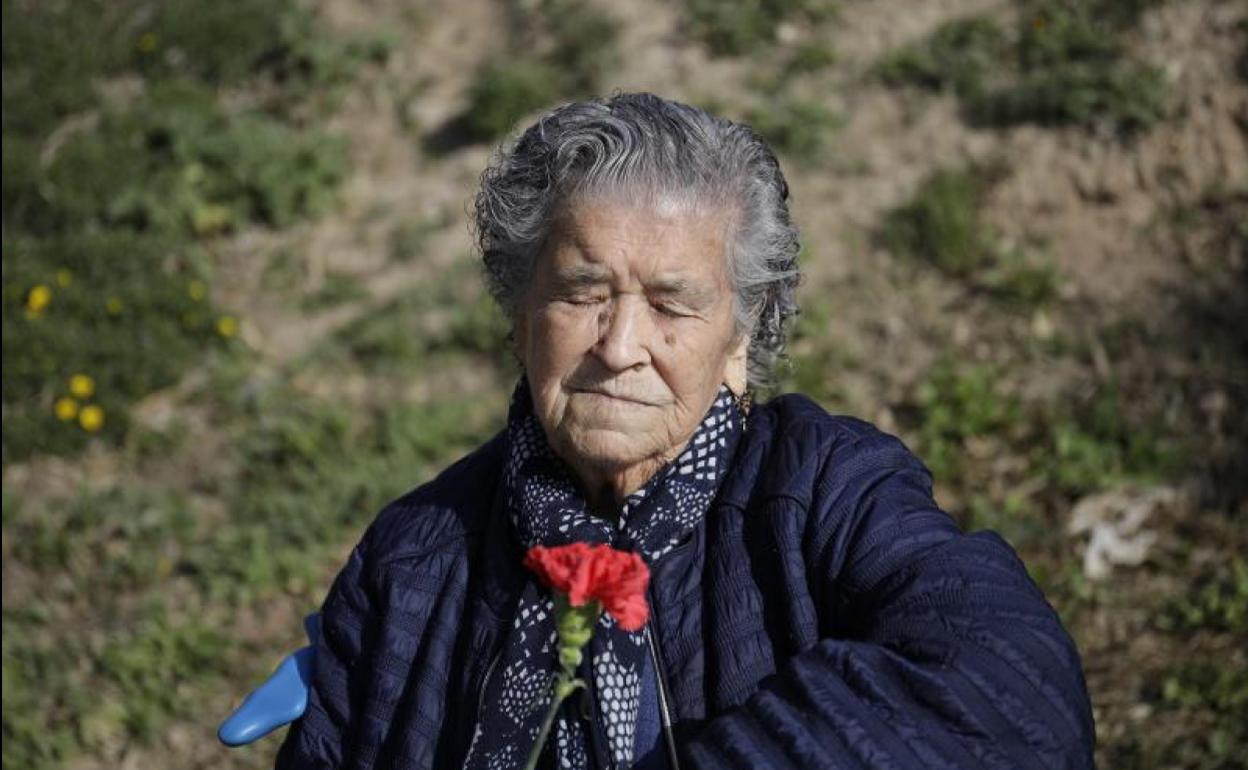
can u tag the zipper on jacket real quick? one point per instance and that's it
(664, 715)
(485, 681)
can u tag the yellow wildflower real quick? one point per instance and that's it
(64, 278)
(227, 326)
(91, 418)
(66, 408)
(196, 290)
(82, 386)
(38, 298)
(113, 306)
(147, 42)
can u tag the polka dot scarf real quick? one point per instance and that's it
(546, 508)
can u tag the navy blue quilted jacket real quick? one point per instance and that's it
(826, 614)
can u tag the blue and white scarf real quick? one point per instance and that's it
(547, 509)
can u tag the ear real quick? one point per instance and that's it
(736, 370)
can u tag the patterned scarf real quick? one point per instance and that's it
(547, 509)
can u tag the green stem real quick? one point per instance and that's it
(565, 685)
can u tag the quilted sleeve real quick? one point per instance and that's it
(315, 740)
(938, 651)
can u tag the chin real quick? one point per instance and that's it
(606, 449)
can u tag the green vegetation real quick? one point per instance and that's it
(157, 583)
(814, 56)
(1075, 444)
(1219, 693)
(1091, 443)
(504, 91)
(730, 29)
(59, 293)
(175, 163)
(107, 199)
(958, 56)
(794, 127)
(407, 242)
(337, 288)
(1065, 62)
(1218, 603)
(448, 318)
(942, 225)
(959, 403)
(559, 50)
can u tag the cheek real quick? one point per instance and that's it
(692, 360)
(562, 337)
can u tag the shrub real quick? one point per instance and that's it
(174, 163)
(741, 27)
(941, 224)
(226, 44)
(799, 128)
(1065, 63)
(505, 90)
(49, 73)
(957, 56)
(1132, 95)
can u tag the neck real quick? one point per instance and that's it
(606, 489)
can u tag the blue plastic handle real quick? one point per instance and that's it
(279, 701)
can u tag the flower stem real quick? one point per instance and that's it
(565, 685)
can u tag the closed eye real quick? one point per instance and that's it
(671, 311)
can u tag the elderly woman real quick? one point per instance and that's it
(811, 606)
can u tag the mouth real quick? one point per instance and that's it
(611, 396)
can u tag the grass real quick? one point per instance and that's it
(1065, 62)
(156, 584)
(120, 309)
(1091, 443)
(448, 318)
(175, 163)
(338, 288)
(958, 403)
(942, 225)
(106, 274)
(731, 29)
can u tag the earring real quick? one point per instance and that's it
(744, 402)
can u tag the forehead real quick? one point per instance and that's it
(646, 240)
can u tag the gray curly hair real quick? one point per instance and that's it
(641, 143)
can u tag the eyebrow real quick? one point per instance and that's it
(578, 276)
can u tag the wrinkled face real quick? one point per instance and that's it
(626, 332)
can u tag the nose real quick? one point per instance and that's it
(622, 330)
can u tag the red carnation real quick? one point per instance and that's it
(616, 578)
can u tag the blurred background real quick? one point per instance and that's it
(241, 313)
